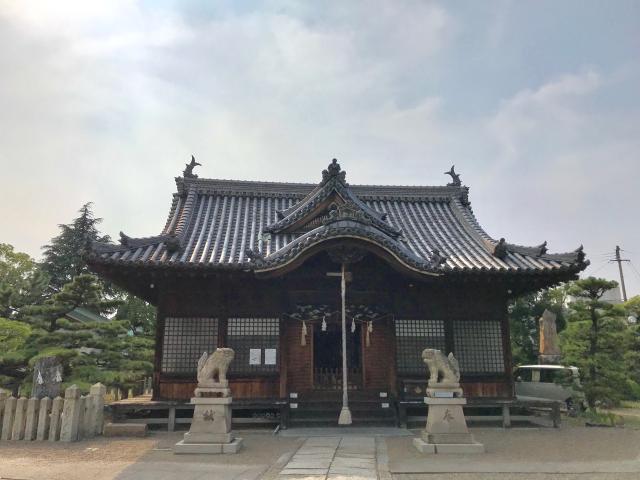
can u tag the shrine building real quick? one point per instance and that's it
(256, 266)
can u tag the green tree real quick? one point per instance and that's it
(22, 281)
(64, 256)
(595, 341)
(524, 313)
(632, 354)
(139, 313)
(52, 334)
(116, 358)
(13, 336)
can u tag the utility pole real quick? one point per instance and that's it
(619, 261)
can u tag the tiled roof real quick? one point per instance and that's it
(228, 224)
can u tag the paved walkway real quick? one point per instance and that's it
(333, 458)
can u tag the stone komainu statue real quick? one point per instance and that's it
(441, 369)
(216, 364)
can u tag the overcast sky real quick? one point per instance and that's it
(537, 103)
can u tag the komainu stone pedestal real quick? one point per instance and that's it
(446, 430)
(210, 430)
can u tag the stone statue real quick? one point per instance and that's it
(446, 429)
(442, 370)
(216, 364)
(210, 430)
(549, 346)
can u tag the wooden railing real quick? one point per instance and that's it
(331, 378)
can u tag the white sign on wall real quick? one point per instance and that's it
(255, 356)
(269, 356)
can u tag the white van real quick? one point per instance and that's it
(549, 382)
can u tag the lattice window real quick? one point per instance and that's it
(412, 337)
(185, 339)
(478, 346)
(256, 342)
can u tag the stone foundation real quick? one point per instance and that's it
(210, 431)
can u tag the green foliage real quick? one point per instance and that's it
(83, 291)
(139, 313)
(598, 417)
(37, 299)
(524, 313)
(22, 281)
(13, 335)
(64, 256)
(595, 341)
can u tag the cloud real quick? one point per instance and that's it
(525, 114)
(104, 101)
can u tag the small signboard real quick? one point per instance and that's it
(384, 405)
(443, 394)
(255, 356)
(269, 356)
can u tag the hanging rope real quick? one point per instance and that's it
(303, 336)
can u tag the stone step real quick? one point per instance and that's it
(125, 430)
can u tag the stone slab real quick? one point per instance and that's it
(125, 430)
(196, 437)
(424, 447)
(181, 448)
(233, 447)
(295, 463)
(448, 438)
(354, 472)
(304, 471)
(460, 448)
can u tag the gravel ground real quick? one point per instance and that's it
(110, 459)
(518, 476)
(531, 454)
(98, 459)
(568, 452)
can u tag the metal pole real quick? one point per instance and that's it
(345, 413)
(619, 260)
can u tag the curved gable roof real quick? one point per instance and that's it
(229, 224)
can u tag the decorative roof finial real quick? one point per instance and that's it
(454, 177)
(188, 172)
(333, 170)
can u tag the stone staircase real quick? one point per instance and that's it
(322, 410)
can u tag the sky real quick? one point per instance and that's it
(536, 103)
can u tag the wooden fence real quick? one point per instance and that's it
(67, 419)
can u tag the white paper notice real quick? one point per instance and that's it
(269, 356)
(255, 356)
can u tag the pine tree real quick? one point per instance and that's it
(595, 340)
(22, 281)
(64, 256)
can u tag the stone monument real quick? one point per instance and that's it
(549, 349)
(210, 430)
(47, 378)
(446, 430)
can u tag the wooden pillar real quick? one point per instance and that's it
(283, 359)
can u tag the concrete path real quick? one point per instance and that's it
(345, 432)
(333, 458)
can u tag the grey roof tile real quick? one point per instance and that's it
(214, 222)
